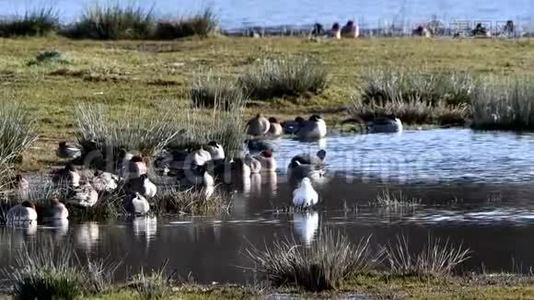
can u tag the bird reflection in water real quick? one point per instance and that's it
(305, 225)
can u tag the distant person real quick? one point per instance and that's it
(422, 31)
(350, 30)
(335, 32)
(481, 31)
(318, 30)
(509, 28)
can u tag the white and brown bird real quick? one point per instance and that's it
(267, 161)
(68, 175)
(275, 128)
(84, 196)
(258, 126)
(138, 204)
(143, 186)
(136, 168)
(57, 211)
(20, 214)
(305, 195)
(105, 181)
(65, 150)
(314, 128)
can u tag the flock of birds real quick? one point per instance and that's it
(201, 166)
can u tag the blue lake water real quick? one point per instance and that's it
(369, 13)
(474, 188)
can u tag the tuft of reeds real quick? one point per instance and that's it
(48, 271)
(155, 285)
(191, 201)
(504, 103)
(322, 266)
(212, 91)
(201, 24)
(291, 76)
(36, 22)
(16, 131)
(198, 126)
(436, 258)
(147, 134)
(387, 198)
(411, 112)
(383, 85)
(49, 56)
(112, 22)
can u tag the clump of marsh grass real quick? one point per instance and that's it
(384, 85)
(6, 178)
(200, 24)
(36, 22)
(387, 198)
(198, 126)
(112, 22)
(147, 134)
(48, 271)
(322, 266)
(156, 285)
(49, 56)
(16, 131)
(291, 76)
(192, 202)
(212, 91)
(504, 103)
(436, 258)
(415, 111)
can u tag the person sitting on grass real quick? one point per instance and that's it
(481, 31)
(509, 28)
(350, 30)
(318, 30)
(422, 31)
(335, 32)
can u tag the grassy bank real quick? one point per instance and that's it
(373, 286)
(54, 271)
(148, 75)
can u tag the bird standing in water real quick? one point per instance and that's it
(305, 195)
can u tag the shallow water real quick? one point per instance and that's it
(474, 188)
(370, 13)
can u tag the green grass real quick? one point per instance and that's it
(322, 266)
(504, 103)
(436, 258)
(149, 75)
(153, 285)
(115, 21)
(17, 131)
(99, 130)
(37, 22)
(49, 56)
(223, 124)
(412, 112)
(48, 271)
(201, 24)
(387, 198)
(290, 76)
(385, 85)
(416, 96)
(111, 22)
(212, 91)
(191, 202)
